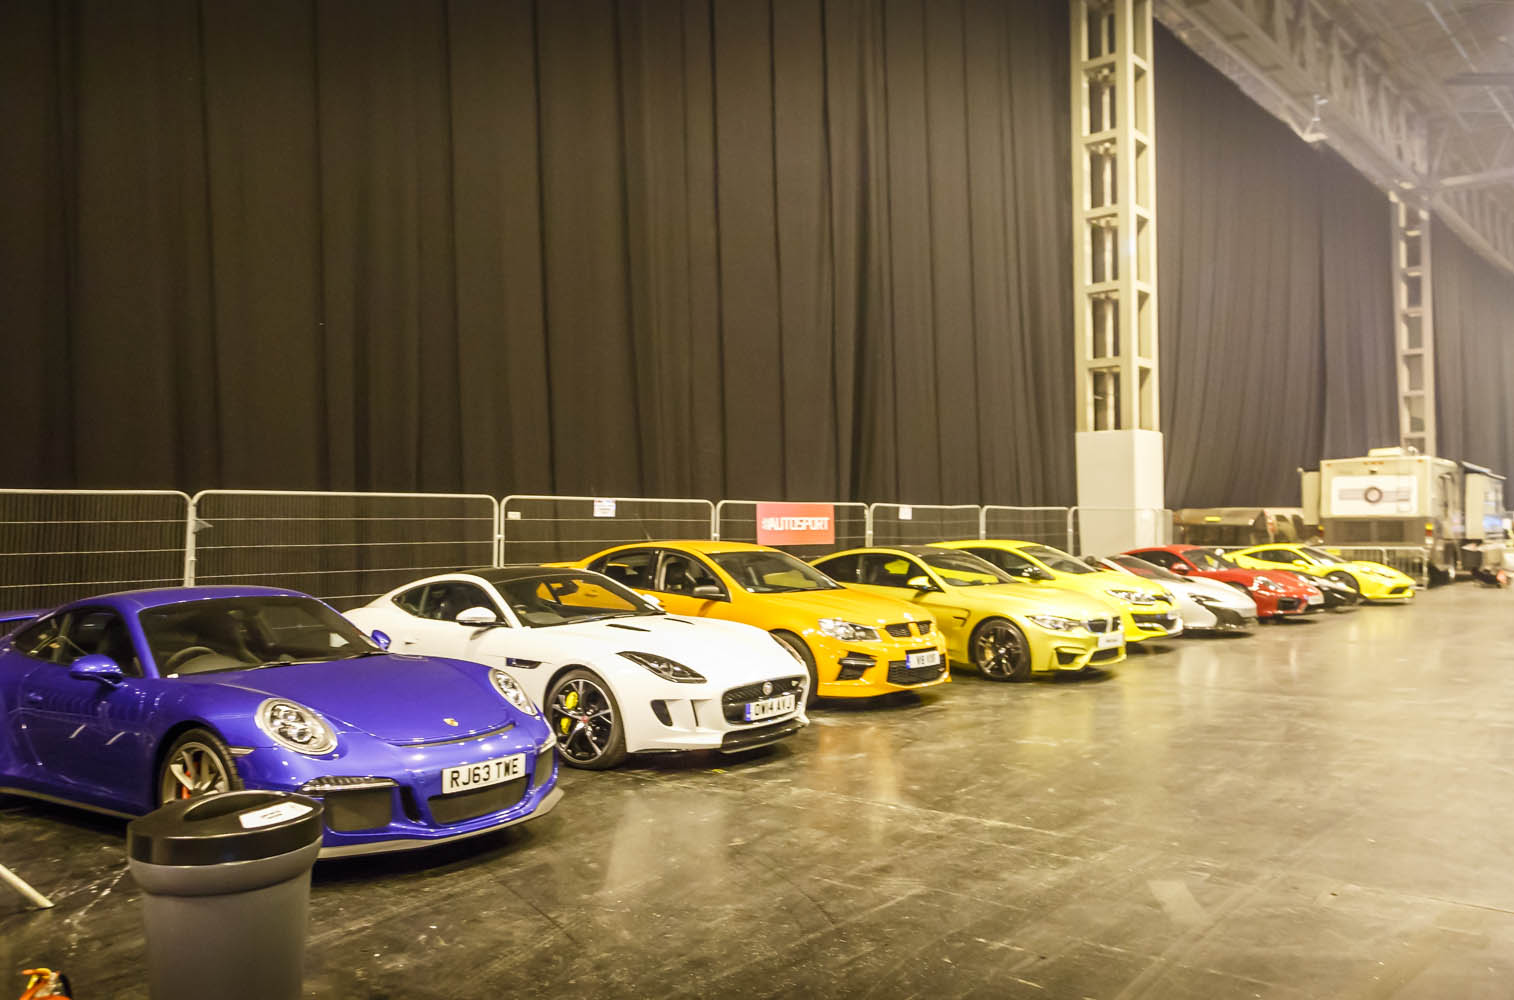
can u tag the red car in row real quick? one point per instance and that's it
(1277, 593)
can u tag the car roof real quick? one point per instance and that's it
(703, 545)
(141, 600)
(497, 575)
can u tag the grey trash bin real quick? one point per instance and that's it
(226, 883)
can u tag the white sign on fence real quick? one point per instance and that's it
(604, 508)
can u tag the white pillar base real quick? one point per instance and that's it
(1120, 491)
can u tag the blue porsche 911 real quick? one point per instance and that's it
(123, 702)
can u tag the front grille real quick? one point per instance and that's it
(460, 806)
(1399, 590)
(1097, 625)
(545, 761)
(924, 628)
(364, 809)
(1157, 621)
(1104, 656)
(1287, 603)
(900, 630)
(899, 673)
(733, 702)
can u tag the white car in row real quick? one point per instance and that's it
(612, 672)
(1204, 605)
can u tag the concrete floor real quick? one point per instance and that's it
(1320, 810)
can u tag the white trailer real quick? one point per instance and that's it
(1395, 498)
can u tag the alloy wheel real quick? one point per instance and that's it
(999, 650)
(195, 769)
(583, 719)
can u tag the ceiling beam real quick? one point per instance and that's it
(1477, 179)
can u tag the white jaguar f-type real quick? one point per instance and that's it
(612, 672)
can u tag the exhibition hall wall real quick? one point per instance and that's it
(802, 248)
(1474, 354)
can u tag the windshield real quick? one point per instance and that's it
(1318, 555)
(240, 633)
(1209, 559)
(1141, 567)
(772, 572)
(560, 598)
(1055, 559)
(963, 569)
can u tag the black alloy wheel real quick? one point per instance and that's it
(1346, 580)
(584, 715)
(1000, 651)
(198, 763)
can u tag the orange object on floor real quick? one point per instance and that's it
(46, 983)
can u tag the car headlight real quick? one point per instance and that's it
(1262, 583)
(511, 691)
(295, 727)
(847, 631)
(668, 670)
(1056, 623)
(1131, 596)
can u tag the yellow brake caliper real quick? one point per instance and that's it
(569, 702)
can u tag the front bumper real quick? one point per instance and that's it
(1225, 620)
(868, 669)
(712, 717)
(1384, 591)
(1151, 623)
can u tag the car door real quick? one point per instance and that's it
(687, 585)
(87, 734)
(429, 624)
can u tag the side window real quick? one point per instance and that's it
(40, 639)
(1009, 562)
(631, 569)
(883, 570)
(446, 600)
(1277, 556)
(1166, 560)
(412, 600)
(98, 632)
(681, 574)
(842, 569)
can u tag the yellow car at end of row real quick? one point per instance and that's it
(1147, 609)
(1372, 581)
(852, 644)
(1005, 629)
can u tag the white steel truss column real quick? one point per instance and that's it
(1414, 323)
(1114, 215)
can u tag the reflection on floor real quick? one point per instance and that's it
(1320, 810)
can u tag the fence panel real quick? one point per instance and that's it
(918, 524)
(1107, 529)
(557, 529)
(736, 521)
(58, 545)
(346, 548)
(1047, 525)
(1412, 560)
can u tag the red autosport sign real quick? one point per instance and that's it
(796, 524)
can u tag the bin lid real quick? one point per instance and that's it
(229, 827)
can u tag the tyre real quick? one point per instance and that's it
(1000, 651)
(197, 763)
(584, 714)
(801, 651)
(1346, 580)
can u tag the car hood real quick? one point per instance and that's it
(1040, 600)
(397, 698)
(1099, 582)
(1220, 593)
(852, 605)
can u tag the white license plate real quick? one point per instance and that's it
(1109, 640)
(769, 707)
(928, 658)
(483, 774)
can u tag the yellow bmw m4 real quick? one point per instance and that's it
(1005, 629)
(1372, 581)
(1148, 611)
(853, 645)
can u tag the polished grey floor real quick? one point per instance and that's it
(1320, 810)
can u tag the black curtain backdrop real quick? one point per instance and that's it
(1474, 354)
(804, 248)
(1275, 295)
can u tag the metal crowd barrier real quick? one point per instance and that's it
(918, 524)
(1047, 525)
(58, 545)
(544, 528)
(1411, 560)
(346, 548)
(736, 521)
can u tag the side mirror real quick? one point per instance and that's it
(381, 639)
(479, 617)
(96, 668)
(920, 583)
(708, 591)
(1181, 570)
